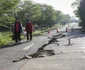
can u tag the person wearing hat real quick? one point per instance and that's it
(29, 29)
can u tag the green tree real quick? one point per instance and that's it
(47, 16)
(29, 11)
(7, 10)
(59, 15)
(65, 18)
(82, 12)
(75, 5)
(40, 14)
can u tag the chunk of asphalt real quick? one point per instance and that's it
(27, 57)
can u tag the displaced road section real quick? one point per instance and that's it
(67, 57)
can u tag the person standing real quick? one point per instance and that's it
(17, 30)
(29, 29)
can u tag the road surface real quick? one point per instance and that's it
(8, 54)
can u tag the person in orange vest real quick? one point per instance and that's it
(17, 30)
(29, 30)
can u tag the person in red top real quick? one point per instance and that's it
(17, 30)
(29, 29)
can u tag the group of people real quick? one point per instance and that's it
(17, 30)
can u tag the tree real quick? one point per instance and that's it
(65, 18)
(59, 16)
(7, 10)
(75, 5)
(47, 16)
(82, 12)
(30, 11)
(40, 14)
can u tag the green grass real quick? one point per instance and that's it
(5, 38)
(37, 32)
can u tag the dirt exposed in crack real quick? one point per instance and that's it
(41, 52)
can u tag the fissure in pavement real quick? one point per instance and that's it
(41, 52)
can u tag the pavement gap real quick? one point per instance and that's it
(41, 52)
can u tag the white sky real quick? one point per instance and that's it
(63, 5)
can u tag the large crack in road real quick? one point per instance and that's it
(41, 52)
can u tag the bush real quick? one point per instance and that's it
(5, 38)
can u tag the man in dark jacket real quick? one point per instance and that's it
(17, 30)
(29, 29)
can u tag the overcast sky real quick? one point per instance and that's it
(63, 5)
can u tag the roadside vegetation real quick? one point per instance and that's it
(79, 11)
(44, 17)
(6, 37)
